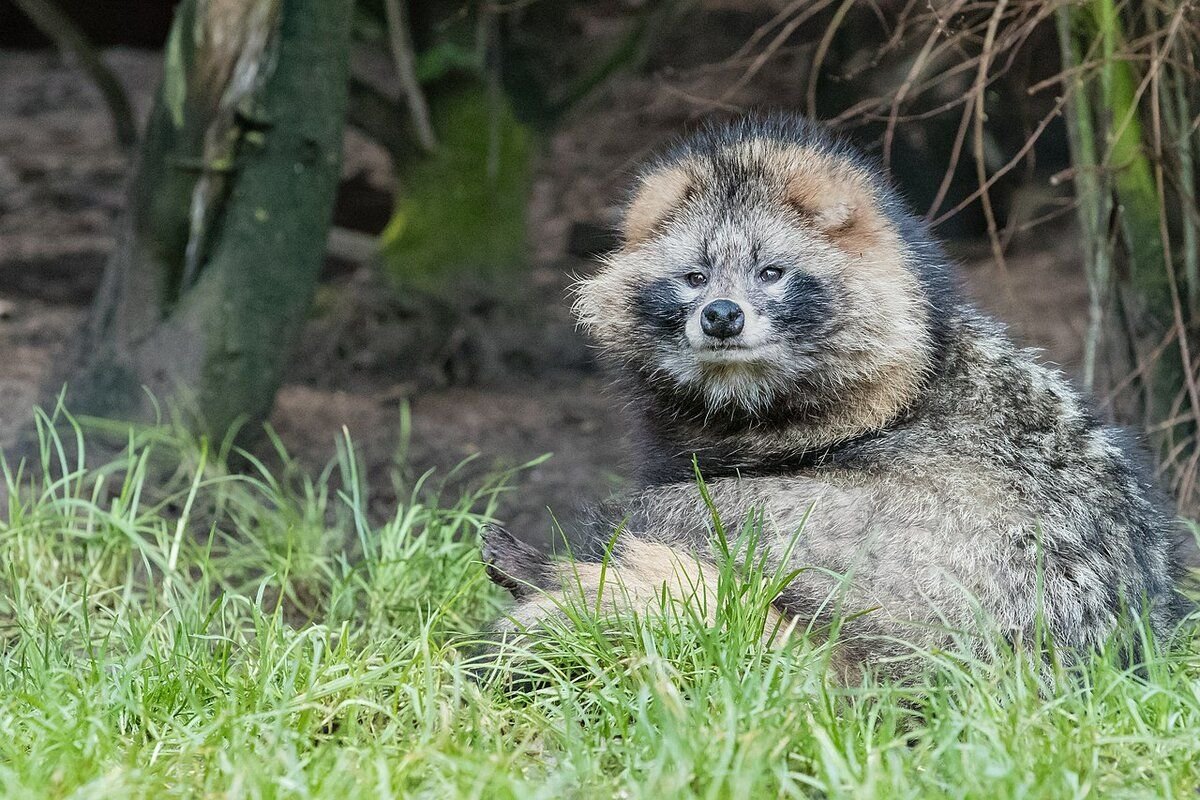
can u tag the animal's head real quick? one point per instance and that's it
(762, 261)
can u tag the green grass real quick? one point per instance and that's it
(169, 628)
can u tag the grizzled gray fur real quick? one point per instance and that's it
(778, 315)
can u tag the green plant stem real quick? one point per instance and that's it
(1092, 193)
(1185, 144)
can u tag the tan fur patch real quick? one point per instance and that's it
(832, 196)
(661, 193)
(829, 201)
(636, 583)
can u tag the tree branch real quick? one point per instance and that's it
(68, 38)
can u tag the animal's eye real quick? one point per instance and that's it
(770, 274)
(696, 279)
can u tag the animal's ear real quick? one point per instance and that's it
(660, 194)
(826, 196)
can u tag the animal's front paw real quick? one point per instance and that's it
(513, 564)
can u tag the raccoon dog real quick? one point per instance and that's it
(778, 315)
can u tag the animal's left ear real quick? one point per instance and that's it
(832, 199)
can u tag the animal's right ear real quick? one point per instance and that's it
(660, 195)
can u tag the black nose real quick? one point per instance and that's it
(722, 319)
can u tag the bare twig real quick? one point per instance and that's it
(1189, 474)
(68, 38)
(814, 72)
(812, 9)
(917, 66)
(1024, 149)
(400, 42)
(985, 197)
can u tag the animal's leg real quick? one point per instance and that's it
(639, 577)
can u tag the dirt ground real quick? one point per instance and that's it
(503, 382)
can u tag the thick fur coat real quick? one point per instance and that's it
(937, 474)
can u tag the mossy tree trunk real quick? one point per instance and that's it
(228, 213)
